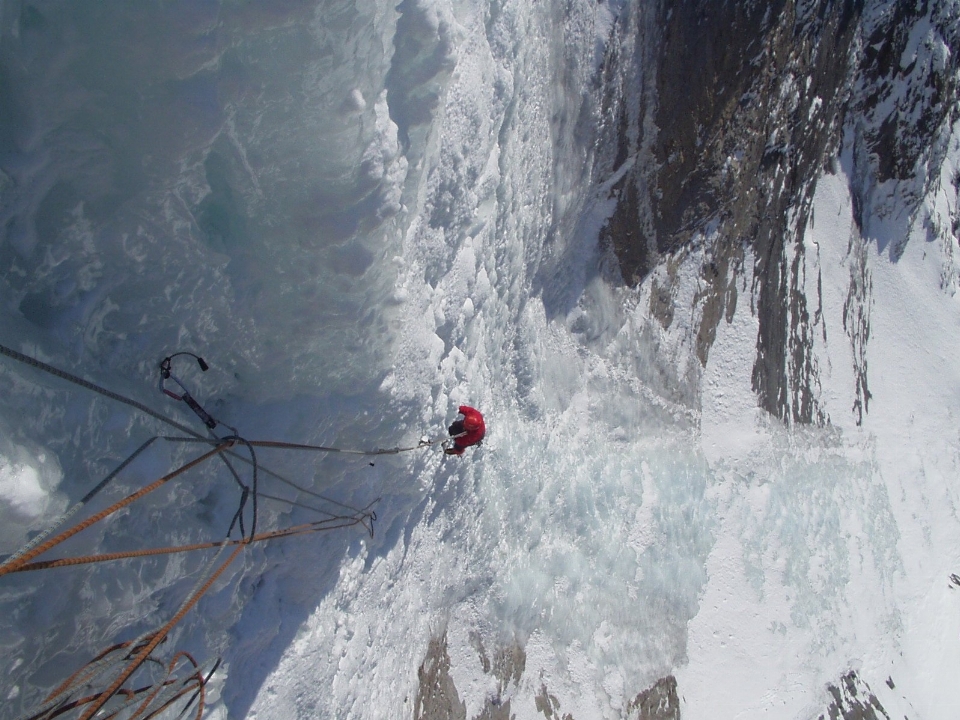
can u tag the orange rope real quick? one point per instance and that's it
(200, 689)
(194, 682)
(107, 557)
(90, 667)
(171, 701)
(73, 705)
(157, 690)
(158, 637)
(54, 541)
(103, 664)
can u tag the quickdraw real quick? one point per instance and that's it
(185, 396)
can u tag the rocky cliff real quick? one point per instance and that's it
(725, 114)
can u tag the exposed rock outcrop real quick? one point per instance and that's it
(659, 702)
(724, 116)
(853, 700)
(437, 697)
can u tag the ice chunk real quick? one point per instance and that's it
(28, 497)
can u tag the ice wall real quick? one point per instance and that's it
(365, 214)
(224, 179)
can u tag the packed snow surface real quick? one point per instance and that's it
(363, 215)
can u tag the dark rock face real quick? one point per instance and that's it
(853, 700)
(549, 706)
(906, 94)
(724, 115)
(437, 697)
(923, 92)
(659, 702)
(747, 102)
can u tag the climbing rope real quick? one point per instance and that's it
(211, 422)
(224, 445)
(74, 694)
(206, 580)
(156, 696)
(86, 685)
(126, 666)
(335, 523)
(50, 369)
(80, 504)
(380, 451)
(159, 696)
(20, 561)
(24, 556)
(93, 387)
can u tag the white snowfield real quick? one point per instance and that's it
(365, 215)
(836, 547)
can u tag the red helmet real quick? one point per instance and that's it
(471, 422)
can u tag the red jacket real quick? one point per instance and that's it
(473, 425)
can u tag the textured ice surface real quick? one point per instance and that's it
(364, 214)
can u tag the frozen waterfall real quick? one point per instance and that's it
(363, 214)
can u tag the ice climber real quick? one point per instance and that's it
(466, 432)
